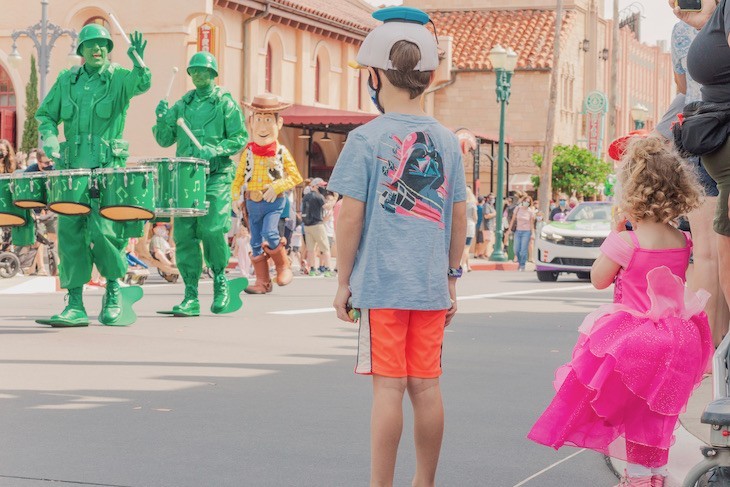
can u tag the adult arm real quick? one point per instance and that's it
(681, 81)
(49, 116)
(695, 19)
(236, 135)
(139, 79)
(348, 232)
(239, 179)
(165, 130)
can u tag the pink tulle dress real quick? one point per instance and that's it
(636, 362)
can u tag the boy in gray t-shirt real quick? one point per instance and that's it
(400, 235)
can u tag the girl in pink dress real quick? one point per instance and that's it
(638, 359)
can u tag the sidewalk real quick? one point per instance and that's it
(691, 434)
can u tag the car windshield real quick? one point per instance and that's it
(590, 211)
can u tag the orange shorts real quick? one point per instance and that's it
(400, 343)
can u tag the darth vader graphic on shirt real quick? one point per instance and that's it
(414, 182)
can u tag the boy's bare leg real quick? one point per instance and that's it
(386, 426)
(428, 429)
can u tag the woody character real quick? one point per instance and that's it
(267, 170)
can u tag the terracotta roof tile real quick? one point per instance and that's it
(351, 13)
(529, 32)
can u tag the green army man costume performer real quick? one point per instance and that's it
(91, 101)
(216, 120)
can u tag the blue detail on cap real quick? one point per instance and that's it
(402, 14)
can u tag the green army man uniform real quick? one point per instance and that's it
(216, 120)
(91, 102)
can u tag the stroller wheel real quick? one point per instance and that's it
(9, 265)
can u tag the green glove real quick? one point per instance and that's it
(208, 152)
(137, 45)
(51, 147)
(161, 110)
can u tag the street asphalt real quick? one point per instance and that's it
(264, 399)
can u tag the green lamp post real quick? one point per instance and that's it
(504, 63)
(640, 114)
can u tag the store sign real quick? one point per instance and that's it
(596, 107)
(206, 38)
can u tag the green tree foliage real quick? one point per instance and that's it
(30, 128)
(575, 170)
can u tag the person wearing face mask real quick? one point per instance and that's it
(562, 207)
(523, 220)
(91, 102)
(216, 120)
(490, 223)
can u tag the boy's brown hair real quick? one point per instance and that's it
(405, 56)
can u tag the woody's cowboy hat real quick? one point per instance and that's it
(266, 103)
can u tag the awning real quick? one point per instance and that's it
(522, 182)
(324, 119)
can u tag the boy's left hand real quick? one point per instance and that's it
(340, 302)
(452, 294)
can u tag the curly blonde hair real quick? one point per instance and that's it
(656, 183)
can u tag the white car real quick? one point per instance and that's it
(572, 245)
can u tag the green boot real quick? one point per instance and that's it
(73, 315)
(221, 293)
(190, 305)
(111, 307)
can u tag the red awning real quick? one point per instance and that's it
(323, 118)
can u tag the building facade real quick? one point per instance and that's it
(296, 49)
(528, 26)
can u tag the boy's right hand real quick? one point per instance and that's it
(340, 302)
(452, 294)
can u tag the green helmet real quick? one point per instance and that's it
(203, 59)
(93, 31)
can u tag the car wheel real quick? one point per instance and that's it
(547, 276)
(584, 275)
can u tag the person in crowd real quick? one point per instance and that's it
(471, 227)
(329, 220)
(654, 329)
(572, 203)
(707, 264)
(7, 158)
(404, 216)
(242, 249)
(523, 222)
(296, 247)
(160, 247)
(480, 247)
(315, 233)
(490, 223)
(561, 208)
(21, 161)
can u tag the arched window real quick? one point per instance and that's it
(7, 108)
(269, 62)
(100, 21)
(317, 80)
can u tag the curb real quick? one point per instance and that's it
(493, 266)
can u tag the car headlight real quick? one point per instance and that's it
(550, 237)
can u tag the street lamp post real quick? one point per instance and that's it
(504, 63)
(640, 114)
(44, 35)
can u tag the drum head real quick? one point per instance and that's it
(69, 208)
(126, 213)
(26, 204)
(10, 220)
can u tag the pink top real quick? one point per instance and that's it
(636, 262)
(524, 218)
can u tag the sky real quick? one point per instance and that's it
(656, 25)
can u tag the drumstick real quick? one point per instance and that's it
(126, 39)
(172, 81)
(189, 132)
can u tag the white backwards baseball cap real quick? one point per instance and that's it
(399, 24)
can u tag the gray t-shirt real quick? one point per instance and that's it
(489, 223)
(708, 60)
(408, 171)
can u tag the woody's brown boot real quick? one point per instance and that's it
(261, 269)
(283, 267)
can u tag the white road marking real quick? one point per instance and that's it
(549, 467)
(309, 311)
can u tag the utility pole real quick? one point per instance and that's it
(546, 170)
(613, 98)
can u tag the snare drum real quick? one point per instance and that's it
(126, 193)
(10, 215)
(68, 191)
(29, 189)
(181, 186)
